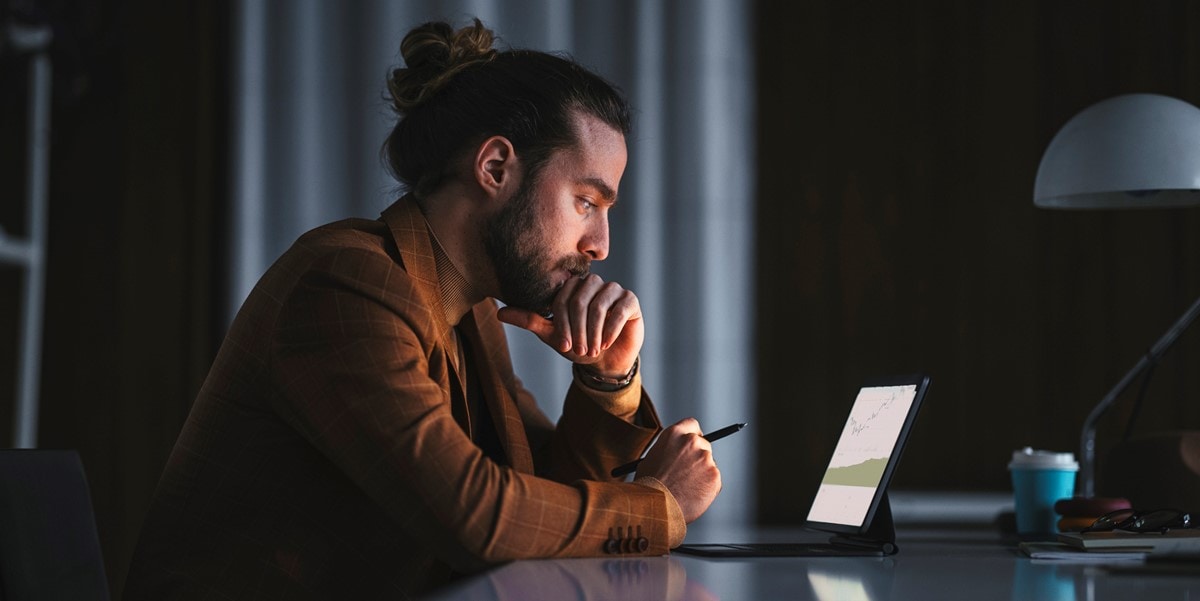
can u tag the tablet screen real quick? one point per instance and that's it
(866, 453)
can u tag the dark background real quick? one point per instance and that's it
(896, 232)
(898, 144)
(137, 195)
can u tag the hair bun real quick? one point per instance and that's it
(434, 53)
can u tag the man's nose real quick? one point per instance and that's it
(595, 241)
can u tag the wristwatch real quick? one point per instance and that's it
(604, 383)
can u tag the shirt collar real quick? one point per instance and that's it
(454, 290)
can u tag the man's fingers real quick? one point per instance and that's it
(563, 334)
(687, 424)
(578, 307)
(527, 320)
(590, 318)
(622, 310)
(682, 460)
(591, 314)
(605, 315)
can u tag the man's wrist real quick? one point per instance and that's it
(604, 383)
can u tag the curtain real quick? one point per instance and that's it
(310, 118)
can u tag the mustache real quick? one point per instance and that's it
(576, 265)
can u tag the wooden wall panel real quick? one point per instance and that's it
(898, 144)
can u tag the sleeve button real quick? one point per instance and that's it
(612, 545)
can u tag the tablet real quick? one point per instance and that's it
(851, 500)
(866, 454)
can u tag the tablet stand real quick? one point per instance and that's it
(880, 535)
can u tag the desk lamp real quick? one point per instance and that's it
(1127, 152)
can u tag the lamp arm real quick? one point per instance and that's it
(1087, 439)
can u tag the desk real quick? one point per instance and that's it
(962, 563)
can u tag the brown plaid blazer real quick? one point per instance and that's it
(328, 453)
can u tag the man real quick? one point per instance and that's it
(362, 434)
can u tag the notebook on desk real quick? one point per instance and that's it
(1172, 541)
(850, 515)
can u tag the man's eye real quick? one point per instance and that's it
(586, 204)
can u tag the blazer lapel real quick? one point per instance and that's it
(411, 233)
(499, 399)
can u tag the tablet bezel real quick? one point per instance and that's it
(921, 382)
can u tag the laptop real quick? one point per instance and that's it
(851, 507)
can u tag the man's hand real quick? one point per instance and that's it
(682, 460)
(596, 323)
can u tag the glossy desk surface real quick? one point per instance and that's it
(973, 563)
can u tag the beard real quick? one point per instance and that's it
(524, 267)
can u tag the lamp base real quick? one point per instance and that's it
(1156, 471)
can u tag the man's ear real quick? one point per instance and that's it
(495, 166)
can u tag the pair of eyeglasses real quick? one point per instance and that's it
(1159, 520)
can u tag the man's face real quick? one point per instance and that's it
(556, 223)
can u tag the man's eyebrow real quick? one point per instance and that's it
(606, 192)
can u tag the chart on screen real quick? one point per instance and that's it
(862, 454)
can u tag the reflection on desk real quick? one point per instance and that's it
(968, 563)
(600, 578)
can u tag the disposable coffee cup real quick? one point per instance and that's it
(1039, 479)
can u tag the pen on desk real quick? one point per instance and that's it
(714, 436)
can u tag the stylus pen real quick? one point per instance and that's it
(631, 467)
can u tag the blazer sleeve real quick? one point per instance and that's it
(350, 363)
(589, 441)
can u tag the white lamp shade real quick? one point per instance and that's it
(1132, 151)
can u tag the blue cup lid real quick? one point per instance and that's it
(1029, 458)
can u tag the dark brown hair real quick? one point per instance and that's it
(457, 91)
